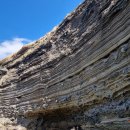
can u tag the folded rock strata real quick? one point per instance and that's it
(77, 77)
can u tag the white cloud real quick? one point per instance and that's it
(8, 47)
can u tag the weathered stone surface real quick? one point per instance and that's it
(77, 77)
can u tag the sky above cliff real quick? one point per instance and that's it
(23, 21)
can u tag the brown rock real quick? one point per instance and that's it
(75, 77)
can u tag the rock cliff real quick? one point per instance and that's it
(77, 77)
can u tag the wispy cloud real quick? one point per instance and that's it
(8, 47)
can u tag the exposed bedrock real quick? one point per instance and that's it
(77, 77)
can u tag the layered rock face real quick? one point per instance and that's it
(77, 77)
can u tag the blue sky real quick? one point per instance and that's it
(23, 21)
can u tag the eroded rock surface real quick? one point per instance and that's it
(77, 77)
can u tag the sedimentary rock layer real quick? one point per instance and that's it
(75, 77)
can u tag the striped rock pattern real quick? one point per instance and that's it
(77, 77)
